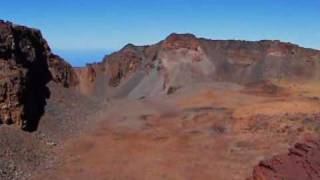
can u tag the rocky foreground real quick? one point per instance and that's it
(183, 108)
(302, 162)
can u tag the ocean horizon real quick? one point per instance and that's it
(80, 57)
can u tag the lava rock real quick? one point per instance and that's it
(26, 66)
(301, 163)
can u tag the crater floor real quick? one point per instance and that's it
(207, 131)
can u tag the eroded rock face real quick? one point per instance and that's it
(178, 41)
(301, 163)
(25, 58)
(62, 72)
(122, 63)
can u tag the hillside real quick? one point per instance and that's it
(183, 59)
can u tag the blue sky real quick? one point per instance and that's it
(101, 25)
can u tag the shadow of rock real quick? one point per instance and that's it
(35, 100)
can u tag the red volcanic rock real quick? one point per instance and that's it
(25, 58)
(23, 74)
(301, 163)
(177, 41)
(62, 72)
(122, 63)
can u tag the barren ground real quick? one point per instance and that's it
(208, 131)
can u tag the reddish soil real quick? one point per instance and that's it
(214, 131)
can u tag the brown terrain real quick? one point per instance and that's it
(182, 109)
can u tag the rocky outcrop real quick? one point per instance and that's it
(26, 66)
(301, 163)
(179, 41)
(122, 63)
(62, 72)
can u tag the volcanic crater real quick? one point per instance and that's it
(183, 108)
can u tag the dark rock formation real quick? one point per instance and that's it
(25, 58)
(301, 163)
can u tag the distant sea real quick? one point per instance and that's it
(79, 58)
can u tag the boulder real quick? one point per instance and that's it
(301, 163)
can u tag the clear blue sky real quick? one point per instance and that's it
(109, 25)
